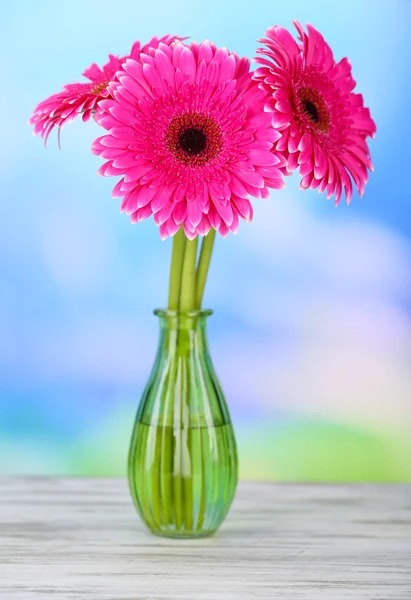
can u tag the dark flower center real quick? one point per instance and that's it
(99, 88)
(192, 140)
(311, 110)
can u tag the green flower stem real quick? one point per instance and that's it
(188, 276)
(177, 257)
(203, 266)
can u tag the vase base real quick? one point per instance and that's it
(184, 536)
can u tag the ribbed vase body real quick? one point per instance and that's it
(182, 467)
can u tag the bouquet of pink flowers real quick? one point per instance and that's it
(193, 133)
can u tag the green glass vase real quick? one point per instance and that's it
(182, 467)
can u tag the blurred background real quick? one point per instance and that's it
(311, 335)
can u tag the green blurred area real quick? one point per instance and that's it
(300, 449)
(323, 451)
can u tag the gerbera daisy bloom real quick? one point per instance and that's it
(188, 132)
(324, 124)
(82, 98)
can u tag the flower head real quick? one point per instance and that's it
(188, 132)
(82, 98)
(324, 124)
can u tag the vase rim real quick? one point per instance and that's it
(170, 314)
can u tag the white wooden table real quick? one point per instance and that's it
(81, 539)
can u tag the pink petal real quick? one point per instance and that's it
(141, 214)
(244, 207)
(305, 143)
(204, 226)
(172, 226)
(194, 213)
(225, 211)
(187, 63)
(180, 212)
(259, 157)
(252, 177)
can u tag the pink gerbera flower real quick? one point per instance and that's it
(188, 132)
(77, 98)
(324, 124)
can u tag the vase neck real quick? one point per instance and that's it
(183, 389)
(195, 320)
(183, 333)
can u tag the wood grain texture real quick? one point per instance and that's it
(82, 539)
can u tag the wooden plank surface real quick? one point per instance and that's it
(82, 539)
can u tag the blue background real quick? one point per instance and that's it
(312, 329)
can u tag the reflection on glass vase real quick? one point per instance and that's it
(182, 466)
